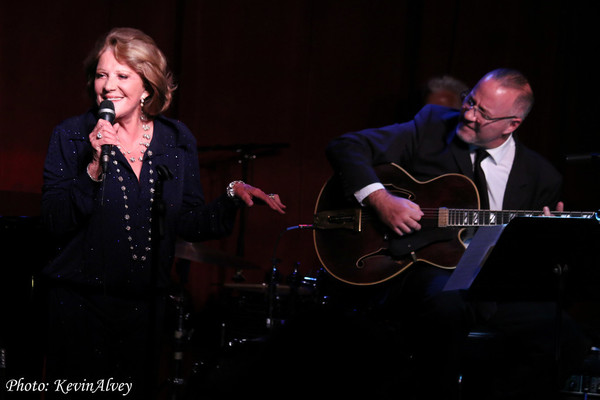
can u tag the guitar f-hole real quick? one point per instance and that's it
(372, 258)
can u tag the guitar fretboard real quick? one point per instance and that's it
(448, 217)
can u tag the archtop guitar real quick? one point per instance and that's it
(354, 246)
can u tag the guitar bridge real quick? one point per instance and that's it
(339, 219)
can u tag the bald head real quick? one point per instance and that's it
(513, 79)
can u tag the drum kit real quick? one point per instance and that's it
(246, 314)
(277, 296)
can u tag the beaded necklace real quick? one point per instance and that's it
(141, 253)
(145, 145)
(146, 135)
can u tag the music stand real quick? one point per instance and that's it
(532, 259)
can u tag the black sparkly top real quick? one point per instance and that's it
(104, 229)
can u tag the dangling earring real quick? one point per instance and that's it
(143, 116)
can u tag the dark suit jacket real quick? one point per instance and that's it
(427, 147)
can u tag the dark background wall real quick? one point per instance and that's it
(296, 73)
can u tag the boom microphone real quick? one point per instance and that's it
(582, 157)
(106, 111)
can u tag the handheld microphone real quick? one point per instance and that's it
(106, 111)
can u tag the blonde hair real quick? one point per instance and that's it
(140, 53)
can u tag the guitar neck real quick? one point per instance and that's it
(448, 217)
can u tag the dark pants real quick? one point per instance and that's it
(99, 338)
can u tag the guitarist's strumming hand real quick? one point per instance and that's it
(400, 214)
(560, 207)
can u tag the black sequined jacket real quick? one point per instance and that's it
(104, 230)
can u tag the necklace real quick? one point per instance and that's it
(143, 147)
(139, 251)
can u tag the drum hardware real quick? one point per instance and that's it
(181, 333)
(201, 253)
(272, 296)
(254, 310)
(247, 313)
(245, 153)
(274, 278)
(181, 337)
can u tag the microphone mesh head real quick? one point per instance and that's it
(106, 110)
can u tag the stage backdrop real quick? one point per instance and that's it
(266, 84)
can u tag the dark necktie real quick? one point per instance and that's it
(479, 178)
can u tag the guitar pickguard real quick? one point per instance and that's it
(400, 247)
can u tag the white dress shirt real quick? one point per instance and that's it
(496, 168)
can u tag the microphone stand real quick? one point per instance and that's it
(589, 157)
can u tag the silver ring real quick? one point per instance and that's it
(99, 136)
(271, 195)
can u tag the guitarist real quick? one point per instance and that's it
(441, 140)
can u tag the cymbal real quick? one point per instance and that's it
(263, 288)
(247, 287)
(202, 253)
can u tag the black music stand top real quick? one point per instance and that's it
(532, 259)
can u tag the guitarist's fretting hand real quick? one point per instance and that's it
(400, 214)
(560, 207)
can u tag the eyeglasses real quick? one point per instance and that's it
(469, 104)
